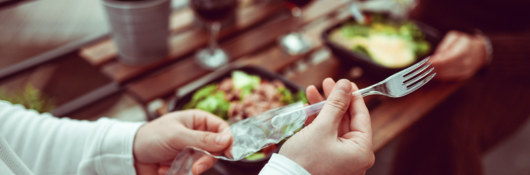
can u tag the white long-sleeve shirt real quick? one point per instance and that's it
(33, 143)
(49, 145)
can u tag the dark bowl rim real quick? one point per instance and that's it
(427, 30)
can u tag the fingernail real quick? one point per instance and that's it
(343, 85)
(200, 169)
(222, 139)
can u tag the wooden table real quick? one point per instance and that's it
(252, 41)
(36, 27)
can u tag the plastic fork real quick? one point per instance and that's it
(397, 85)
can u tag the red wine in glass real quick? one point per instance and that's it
(213, 10)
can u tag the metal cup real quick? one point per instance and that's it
(140, 29)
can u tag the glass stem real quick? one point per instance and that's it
(214, 31)
(297, 18)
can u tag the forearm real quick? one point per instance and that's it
(48, 145)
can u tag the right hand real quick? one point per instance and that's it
(459, 56)
(339, 140)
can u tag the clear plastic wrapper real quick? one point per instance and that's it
(249, 136)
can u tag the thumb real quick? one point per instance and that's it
(209, 141)
(336, 106)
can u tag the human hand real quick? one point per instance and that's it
(339, 139)
(459, 56)
(158, 142)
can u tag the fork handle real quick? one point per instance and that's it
(314, 109)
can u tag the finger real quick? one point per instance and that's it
(328, 85)
(441, 55)
(214, 140)
(456, 64)
(455, 48)
(202, 164)
(336, 106)
(346, 119)
(227, 152)
(204, 121)
(209, 141)
(360, 117)
(313, 96)
(459, 47)
(450, 57)
(448, 41)
(162, 170)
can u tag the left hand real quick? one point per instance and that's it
(158, 142)
(459, 56)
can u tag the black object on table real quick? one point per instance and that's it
(370, 67)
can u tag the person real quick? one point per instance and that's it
(339, 140)
(485, 49)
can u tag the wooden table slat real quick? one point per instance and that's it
(186, 42)
(276, 60)
(159, 85)
(393, 116)
(105, 51)
(120, 72)
(102, 52)
(99, 53)
(187, 70)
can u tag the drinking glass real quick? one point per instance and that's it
(295, 42)
(212, 12)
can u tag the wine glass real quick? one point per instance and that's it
(295, 42)
(212, 12)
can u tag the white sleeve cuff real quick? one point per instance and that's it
(116, 156)
(281, 165)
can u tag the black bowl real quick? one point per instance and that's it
(178, 102)
(370, 68)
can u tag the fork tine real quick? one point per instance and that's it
(419, 77)
(420, 84)
(411, 68)
(416, 72)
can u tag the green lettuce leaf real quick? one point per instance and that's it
(242, 80)
(256, 156)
